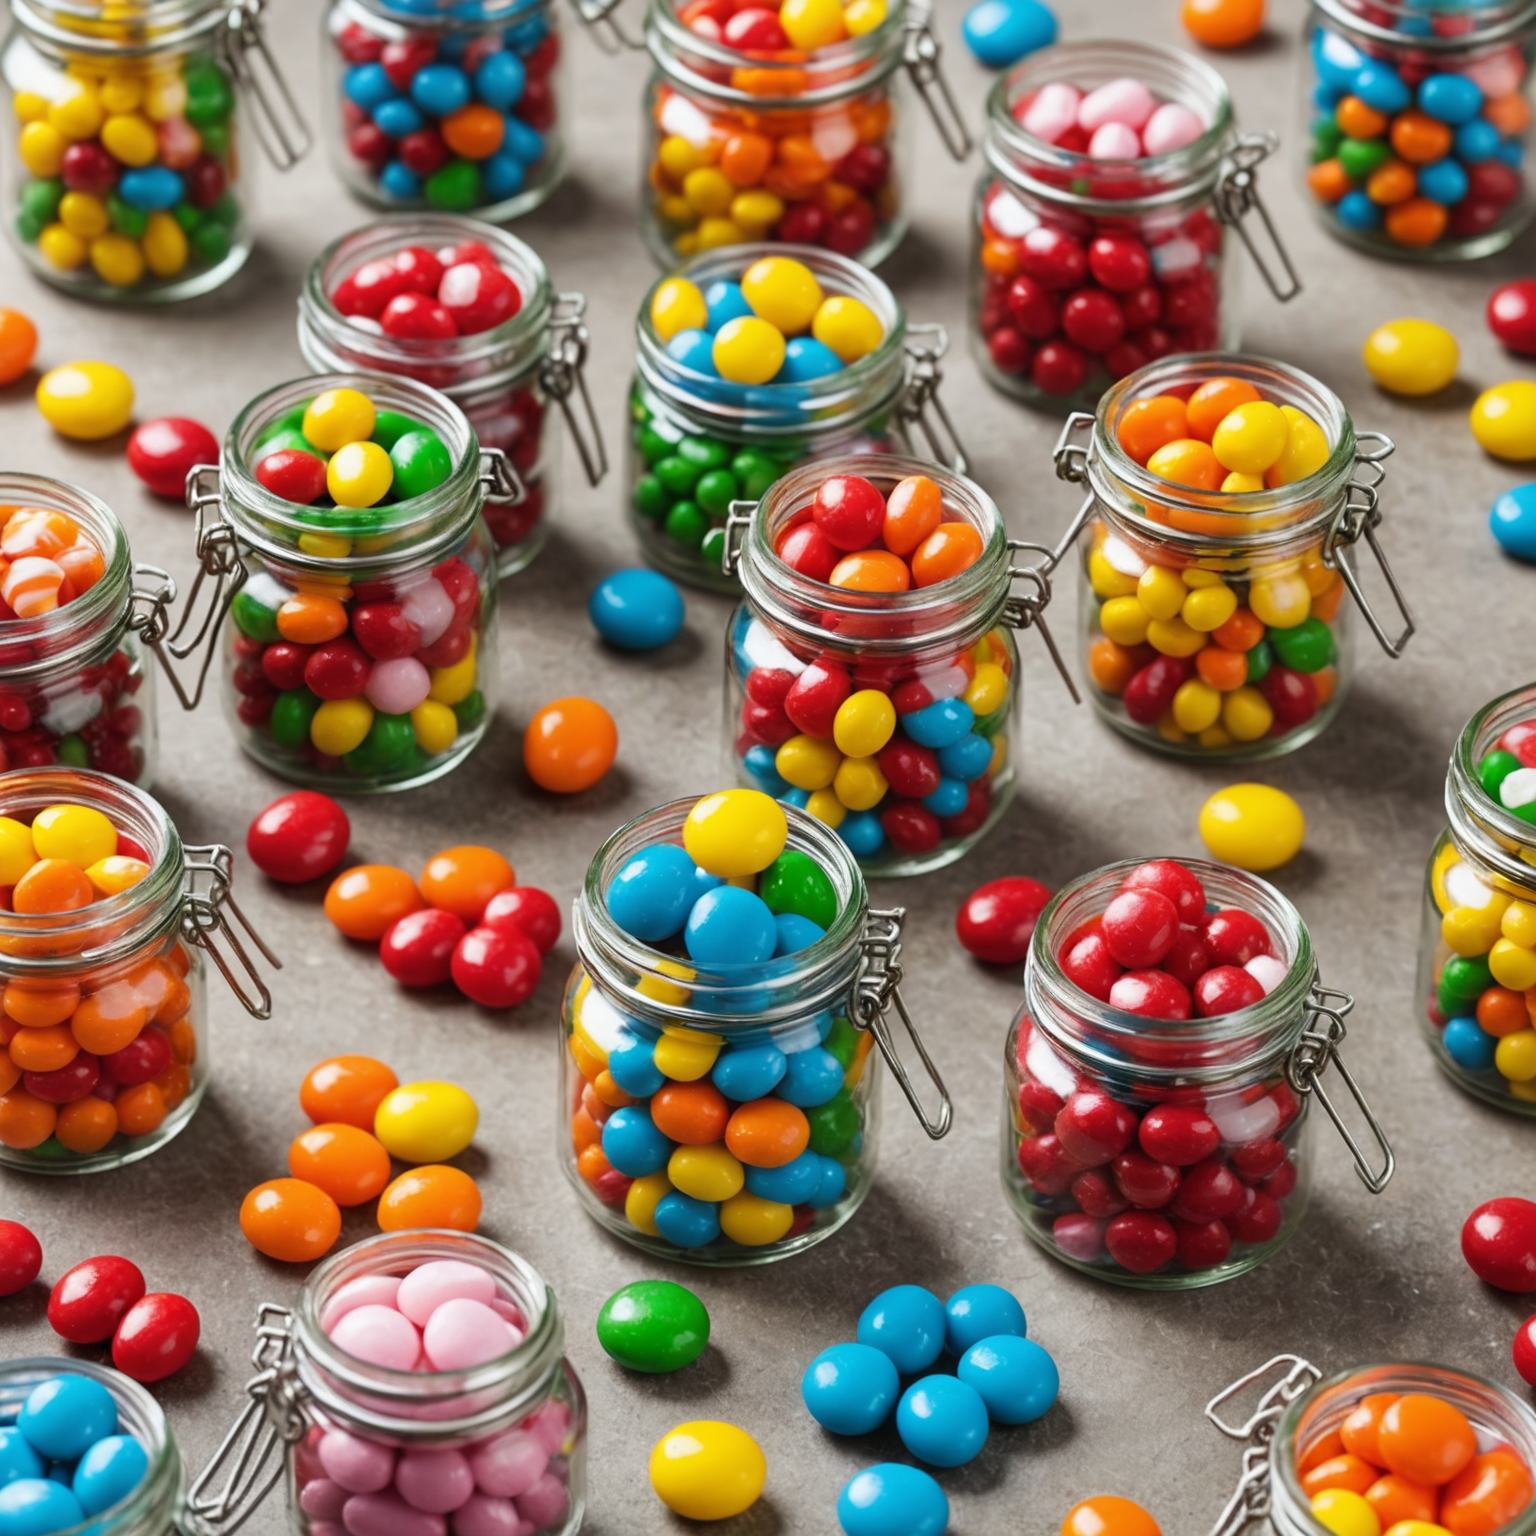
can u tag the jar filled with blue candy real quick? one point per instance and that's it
(1419, 124)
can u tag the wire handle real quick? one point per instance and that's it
(1250, 1499)
(598, 16)
(499, 479)
(280, 126)
(1358, 517)
(1027, 609)
(1237, 194)
(203, 923)
(565, 378)
(921, 53)
(920, 406)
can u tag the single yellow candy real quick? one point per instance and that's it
(1515, 1056)
(1173, 637)
(1281, 601)
(1124, 620)
(686, 1055)
(426, 1122)
(674, 208)
(1306, 450)
(83, 214)
(165, 97)
(62, 249)
(735, 832)
(1250, 438)
(1253, 826)
(1470, 931)
(359, 474)
(336, 417)
(1196, 576)
(1411, 357)
(748, 350)
(79, 834)
(1105, 580)
(864, 723)
(709, 190)
(78, 115)
(117, 259)
(812, 24)
(1504, 420)
(42, 149)
(988, 690)
(863, 16)
(454, 684)
(678, 155)
(1196, 706)
(677, 305)
(165, 244)
(122, 93)
(753, 1222)
(859, 784)
(757, 209)
(707, 1173)
(325, 546)
(1246, 714)
(339, 725)
(782, 291)
(640, 1203)
(17, 855)
(1512, 965)
(706, 1470)
(1518, 922)
(1161, 592)
(29, 107)
(129, 138)
(116, 874)
(1242, 485)
(436, 726)
(1344, 1513)
(1208, 608)
(824, 805)
(807, 762)
(87, 401)
(714, 234)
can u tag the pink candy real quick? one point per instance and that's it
(434, 1481)
(1120, 121)
(429, 1285)
(387, 1514)
(355, 1464)
(396, 687)
(1173, 126)
(1114, 141)
(508, 1464)
(379, 1335)
(463, 1334)
(485, 1516)
(1052, 112)
(370, 1290)
(1124, 101)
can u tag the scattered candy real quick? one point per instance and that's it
(290, 1220)
(706, 1470)
(636, 610)
(851, 1389)
(18, 344)
(1107, 1515)
(1512, 315)
(569, 745)
(21, 1257)
(426, 1122)
(1499, 1241)
(1253, 826)
(1524, 1351)
(89, 1300)
(162, 453)
(1001, 32)
(1220, 24)
(892, 1500)
(300, 836)
(997, 920)
(653, 1326)
(85, 401)
(157, 1336)
(1411, 357)
(1513, 521)
(1504, 421)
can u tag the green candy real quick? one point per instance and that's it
(292, 713)
(1360, 157)
(293, 440)
(712, 550)
(652, 498)
(796, 883)
(40, 199)
(421, 463)
(387, 744)
(1462, 982)
(1494, 769)
(210, 96)
(187, 216)
(226, 211)
(126, 219)
(755, 472)
(1305, 647)
(255, 618)
(390, 426)
(73, 752)
(470, 710)
(1260, 660)
(678, 474)
(216, 140)
(653, 1326)
(51, 1151)
(653, 445)
(716, 491)
(1326, 138)
(842, 1042)
(289, 421)
(687, 525)
(834, 1124)
(29, 227)
(211, 241)
(707, 452)
(455, 187)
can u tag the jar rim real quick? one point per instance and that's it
(1484, 831)
(1505, 20)
(160, 25)
(440, 17)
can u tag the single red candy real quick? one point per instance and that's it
(1188, 960)
(1152, 994)
(1045, 1164)
(401, 60)
(337, 670)
(1292, 696)
(383, 630)
(912, 828)
(162, 453)
(423, 153)
(1512, 315)
(1225, 989)
(1257, 1160)
(283, 664)
(419, 269)
(300, 836)
(1524, 1350)
(417, 949)
(1054, 258)
(1234, 936)
(1178, 1134)
(1097, 1195)
(1202, 1245)
(88, 1301)
(1093, 1128)
(1035, 308)
(1059, 368)
(1257, 1220)
(1009, 349)
(496, 967)
(478, 296)
(140, 1061)
(1141, 1242)
(1145, 1182)
(21, 1257)
(1142, 307)
(525, 909)
(997, 920)
(1140, 927)
(294, 475)
(64, 1084)
(1088, 964)
(1092, 319)
(1119, 262)
(849, 511)
(205, 182)
(1180, 885)
(1149, 693)
(911, 771)
(417, 317)
(806, 549)
(1499, 1241)
(87, 167)
(156, 1337)
(815, 698)
(1039, 1105)
(756, 29)
(374, 284)
(1209, 1192)
(1281, 1182)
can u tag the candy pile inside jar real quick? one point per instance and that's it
(90, 1056)
(454, 122)
(889, 757)
(694, 1139)
(1207, 659)
(1414, 1464)
(1101, 298)
(1412, 151)
(446, 1315)
(130, 170)
(1139, 1184)
(1484, 998)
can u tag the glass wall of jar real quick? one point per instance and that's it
(780, 1159)
(1418, 122)
(1477, 949)
(361, 652)
(891, 716)
(1170, 1153)
(772, 139)
(697, 442)
(131, 175)
(105, 1003)
(437, 104)
(493, 1439)
(1261, 667)
(503, 353)
(1089, 268)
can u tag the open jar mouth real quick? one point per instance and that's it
(450, 16)
(123, 31)
(1484, 830)
(1411, 25)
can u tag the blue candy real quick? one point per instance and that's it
(440, 89)
(892, 1500)
(1477, 141)
(17, 1458)
(799, 798)
(1469, 1045)
(942, 1421)
(907, 1323)
(966, 759)
(759, 762)
(524, 142)
(37, 1506)
(65, 1416)
(811, 1078)
(632, 1065)
(850, 1389)
(730, 926)
(527, 35)
(704, 881)
(686, 1222)
(725, 301)
(834, 1182)
(1001, 32)
(636, 610)
(790, 1184)
(976, 1312)
(940, 724)
(367, 86)
(651, 896)
(1357, 211)
(1337, 62)
(695, 351)
(500, 80)
(744, 1073)
(1451, 98)
(1381, 88)
(148, 187)
(632, 1143)
(806, 360)
(399, 180)
(1513, 521)
(1443, 182)
(862, 832)
(949, 798)
(502, 176)
(398, 117)
(795, 933)
(1512, 153)
(109, 1472)
(1015, 1378)
(1326, 99)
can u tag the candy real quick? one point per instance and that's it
(290, 1220)
(907, 1324)
(653, 1326)
(62, 1418)
(21, 1257)
(1108, 1515)
(365, 901)
(636, 610)
(1524, 1350)
(1219, 24)
(569, 745)
(1513, 521)
(1253, 826)
(426, 1122)
(157, 1336)
(431, 1196)
(1001, 32)
(1498, 1240)
(162, 453)
(851, 1389)
(1015, 1378)
(108, 1472)
(18, 344)
(1411, 357)
(942, 1420)
(89, 1300)
(86, 401)
(892, 1500)
(299, 837)
(1504, 421)
(706, 1470)
(348, 1089)
(351, 1166)
(1512, 315)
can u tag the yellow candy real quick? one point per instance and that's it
(714, 234)
(1124, 620)
(1215, 737)
(17, 855)
(1246, 713)
(111, 876)
(752, 1221)
(1173, 637)
(78, 115)
(359, 475)
(325, 546)
(77, 833)
(1170, 730)
(1515, 1056)
(863, 16)
(1242, 485)
(165, 244)
(1411, 357)
(687, 244)
(1208, 608)
(1105, 580)
(436, 726)
(1251, 438)
(640, 1203)
(1196, 706)
(735, 832)
(61, 249)
(686, 1055)
(42, 149)
(130, 138)
(864, 723)
(812, 24)
(782, 291)
(824, 805)
(1195, 577)
(1504, 420)
(336, 417)
(674, 208)
(1161, 592)
(117, 259)
(1518, 923)
(708, 190)
(678, 155)
(807, 762)
(1470, 930)
(83, 214)
(707, 1173)
(748, 350)
(1281, 601)
(756, 209)
(1253, 826)
(859, 783)
(339, 725)
(453, 684)
(426, 1122)
(86, 401)
(705, 1470)
(1306, 450)
(847, 326)
(29, 107)
(165, 97)
(1345, 1513)
(122, 93)
(1512, 965)
(988, 689)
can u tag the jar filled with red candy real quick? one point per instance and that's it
(102, 986)
(469, 310)
(1173, 1034)
(420, 1380)
(872, 671)
(1114, 171)
(1219, 575)
(770, 122)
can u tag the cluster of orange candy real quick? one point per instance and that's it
(46, 560)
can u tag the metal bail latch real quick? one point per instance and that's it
(1310, 1058)
(738, 519)
(1024, 609)
(599, 19)
(877, 987)
(203, 923)
(499, 479)
(149, 617)
(1250, 1500)
(1237, 192)
(564, 378)
(920, 405)
(280, 126)
(1071, 458)
(1358, 517)
(921, 55)
(249, 1458)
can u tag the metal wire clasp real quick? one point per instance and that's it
(280, 126)
(499, 479)
(920, 405)
(1069, 457)
(1358, 517)
(921, 54)
(876, 988)
(272, 1419)
(1026, 609)
(1237, 193)
(738, 518)
(1250, 1500)
(599, 19)
(564, 377)
(209, 867)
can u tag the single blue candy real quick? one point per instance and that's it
(398, 117)
(502, 176)
(759, 762)
(17, 1458)
(149, 187)
(942, 1421)
(527, 35)
(833, 1185)
(977, 1312)
(500, 80)
(1513, 521)
(795, 933)
(948, 799)
(1469, 1045)
(892, 1500)
(1443, 182)
(632, 1143)
(1381, 88)
(799, 798)
(792, 1184)
(907, 1322)
(637, 609)
(367, 86)
(730, 926)
(1477, 141)
(1326, 99)
(695, 351)
(966, 759)
(524, 142)
(1451, 98)
(811, 1078)
(632, 1065)
(1015, 1378)
(109, 1472)
(1512, 153)
(704, 881)
(652, 894)
(400, 181)
(686, 1222)
(806, 360)
(1357, 211)
(725, 301)
(850, 1389)
(1337, 62)
(37, 1506)
(440, 89)
(862, 832)
(1001, 32)
(66, 1415)
(940, 724)
(747, 1072)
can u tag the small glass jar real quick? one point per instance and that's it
(503, 379)
(1477, 948)
(1055, 322)
(686, 426)
(130, 176)
(953, 640)
(1417, 122)
(832, 996)
(417, 555)
(1252, 1071)
(441, 105)
(88, 984)
(810, 149)
(519, 1420)
(1284, 552)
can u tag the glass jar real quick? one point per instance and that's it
(1252, 1071)
(953, 640)
(1299, 1409)
(478, 134)
(519, 1420)
(1285, 552)
(1477, 969)
(685, 425)
(503, 379)
(130, 179)
(261, 551)
(811, 149)
(1169, 288)
(1417, 123)
(97, 980)
(832, 996)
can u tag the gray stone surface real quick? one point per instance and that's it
(1366, 1278)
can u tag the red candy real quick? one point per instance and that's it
(293, 475)
(1170, 878)
(21, 1257)
(1090, 966)
(417, 317)
(1234, 937)
(806, 549)
(418, 948)
(1140, 927)
(1179, 1134)
(1499, 1241)
(300, 836)
(997, 920)
(1525, 1350)
(89, 1301)
(528, 910)
(497, 967)
(849, 511)
(1225, 989)
(162, 453)
(478, 295)
(1140, 1241)
(157, 1336)
(1152, 994)
(1093, 1128)
(1512, 315)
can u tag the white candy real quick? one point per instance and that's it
(1268, 971)
(1171, 127)
(1175, 256)
(1463, 888)
(1009, 217)
(1518, 789)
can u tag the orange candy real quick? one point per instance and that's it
(433, 1195)
(1358, 120)
(37, 531)
(949, 550)
(1416, 221)
(1106, 1515)
(1344, 1471)
(871, 570)
(1393, 182)
(1425, 1439)
(38, 1004)
(18, 345)
(1500, 1011)
(1394, 1498)
(10, 1073)
(52, 885)
(364, 901)
(351, 1166)
(1486, 1494)
(346, 1090)
(25, 1122)
(1241, 632)
(87, 1125)
(1224, 670)
(1324, 1448)
(1419, 138)
(745, 158)
(108, 1020)
(1210, 404)
(1223, 23)
(1188, 461)
(311, 618)
(141, 1109)
(695, 1114)
(767, 1133)
(1359, 1429)
(1112, 665)
(290, 1220)
(1149, 424)
(462, 880)
(1511, 115)
(569, 745)
(44, 1050)
(1328, 181)
(474, 131)
(913, 510)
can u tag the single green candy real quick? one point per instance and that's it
(678, 474)
(470, 710)
(210, 96)
(707, 452)
(227, 210)
(73, 752)
(653, 1326)
(1494, 769)
(842, 1042)
(716, 491)
(1463, 981)
(51, 1151)
(215, 140)
(796, 883)
(834, 1124)
(1326, 138)
(187, 216)
(1305, 647)
(289, 421)
(754, 472)
(255, 618)
(421, 463)
(1360, 157)
(653, 446)
(390, 426)
(455, 187)
(292, 439)
(40, 199)
(388, 742)
(687, 525)
(126, 219)
(712, 550)
(292, 713)
(1260, 659)
(652, 498)
(211, 241)
(29, 226)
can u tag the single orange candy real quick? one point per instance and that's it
(25, 1122)
(311, 618)
(745, 158)
(141, 1110)
(1328, 181)
(1223, 23)
(290, 1220)
(474, 131)
(767, 1133)
(695, 1114)
(585, 1131)
(108, 1020)
(1393, 182)
(1188, 462)
(1500, 1011)
(1324, 1448)
(871, 570)
(1226, 671)
(1394, 1498)
(366, 900)
(1360, 1426)
(947, 552)
(1241, 632)
(346, 1090)
(10, 1073)
(913, 510)
(1346, 1471)
(1419, 138)
(592, 1163)
(52, 885)
(569, 745)
(1112, 665)
(1486, 1494)
(1418, 221)
(175, 1083)
(1358, 120)
(1425, 1439)
(349, 1164)
(86, 1126)
(44, 1050)
(433, 1195)
(1511, 114)
(38, 1004)
(1107, 1515)
(18, 344)
(606, 1091)
(463, 879)
(1151, 423)
(1214, 401)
